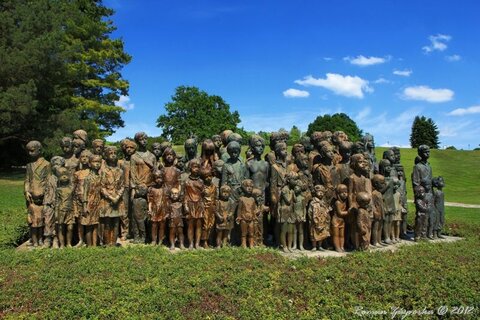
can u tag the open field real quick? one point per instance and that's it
(150, 282)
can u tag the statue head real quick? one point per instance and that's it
(169, 156)
(297, 150)
(390, 156)
(157, 149)
(95, 162)
(97, 146)
(257, 145)
(67, 146)
(111, 155)
(63, 176)
(345, 150)
(281, 151)
(81, 134)
(84, 158)
(128, 147)
(225, 192)
(57, 162)
(224, 136)
(359, 164)
(378, 182)
(363, 199)
(342, 192)
(233, 149)
(190, 147)
(217, 140)
(338, 137)
(385, 167)
(34, 149)
(208, 148)
(141, 139)
(247, 187)
(423, 152)
(78, 146)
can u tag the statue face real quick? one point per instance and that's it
(343, 194)
(319, 193)
(169, 158)
(157, 151)
(248, 187)
(424, 154)
(391, 156)
(158, 180)
(111, 156)
(34, 152)
(218, 142)
(282, 152)
(67, 148)
(97, 148)
(129, 150)
(190, 149)
(363, 166)
(297, 190)
(234, 153)
(174, 195)
(194, 169)
(78, 147)
(225, 194)
(142, 141)
(258, 148)
(95, 163)
(84, 158)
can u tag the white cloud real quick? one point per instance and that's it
(425, 93)
(453, 129)
(465, 111)
(327, 58)
(366, 61)
(403, 73)
(453, 58)
(294, 93)
(124, 102)
(363, 114)
(381, 80)
(437, 43)
(347, 86)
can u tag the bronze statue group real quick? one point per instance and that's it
(327, 193)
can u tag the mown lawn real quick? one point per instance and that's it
(148, 282)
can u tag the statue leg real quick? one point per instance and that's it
(190, 232)
(69, 235)
(181, 237)
(341, 238)
(300, 227)
(336, 239)
(283, 236)
(94, 234)
(155, 229)
(198, 232)
(139, 213)
(171, 238)
(60, 235)
(294, 237)
(243, 233)
(80, 233)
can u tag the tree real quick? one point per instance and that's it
(424, 131)
(295, 135)
(193, 111)
(336, 122)
(59, 71)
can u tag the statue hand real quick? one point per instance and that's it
(28, 196)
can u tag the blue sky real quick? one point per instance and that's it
(283, 63)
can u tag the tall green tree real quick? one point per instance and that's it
(59, 71)
(193, 111)
(424, 131)
(295, 135)
(336, 122)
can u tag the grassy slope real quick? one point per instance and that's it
(232, 283)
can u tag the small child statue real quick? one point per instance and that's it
(258, 195)
(385, 168)
(246, 214)
(378, 208)
(91, 200)
(157, 208)
(175, 218)
(224, 215)
(64, 216)
(421, 215)
(363, 219)
(49, 220)
(286, 217)
(300, 214)
(340, 212)
(397, 216)
(36, 185)
(319, 217)
(78, 183)
(194, 207)
(209, 199)
(439, 200)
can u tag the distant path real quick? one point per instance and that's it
(459, 205)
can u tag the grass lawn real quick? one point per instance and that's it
(148, 282)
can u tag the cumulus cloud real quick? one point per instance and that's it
(294, 93)
(465, 111)
(425, 93)
(365, 61)
(453, 58)
(437, 43)
(347, 86)
(124, 102)
(403, 73)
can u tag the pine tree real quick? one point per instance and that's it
(424, 131)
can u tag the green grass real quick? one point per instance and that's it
(148, 282)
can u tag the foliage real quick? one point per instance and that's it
(424, 131)
(295, 135)
(336, 122)
(60, 71)
(193, 111)
(450, 148)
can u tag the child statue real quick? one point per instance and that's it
(363, 219)
(378, 208)
(71, 161)
(343, 170)
(193, 203)
(208, 155)
(359, 181)
(224, 216)
(171, 174)
(299, 212)
(190, 147)
(233, 171)
(319, 217)
(439, 200)
(157, 152)
(217, 141)
(91, 200)
(142, 164)
(278, 172)
(259, 197)
(35, 186)
(78, 183)
(78, 145)
(246, 214)
(175, 218)
(113, 186)
(286, 217)
(49, 219)
(388, 199)
(157, 208)
(209, 200)
(421, 216)
(397, 216)
(129, 147)
(324, 172)
(64, 215)
(404, 204)
(340, 212)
